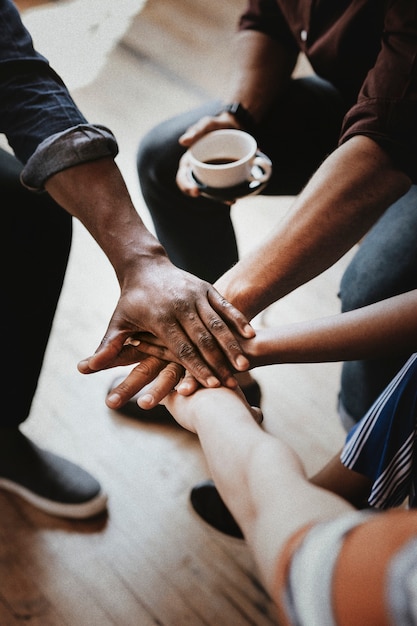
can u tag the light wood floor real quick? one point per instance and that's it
(150, 560)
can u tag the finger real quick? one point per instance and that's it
(141, 375)
(117, 349)
(108, 356)
(206, 356)
(206, 125)
(184, 179)
(161, 386)
(214, 347)
(106, 353)
(230, 314)
(147, 347)
(219, 318)
(187, 385)
(197, 130)
(194, 360)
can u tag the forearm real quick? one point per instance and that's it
(262, 69)
(259, 477)
(345, 197)
(96, 194)
(386, 327)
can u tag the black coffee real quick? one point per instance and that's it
(220, 161)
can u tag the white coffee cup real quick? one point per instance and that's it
(226, 158)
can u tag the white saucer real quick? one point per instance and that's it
(228, 194)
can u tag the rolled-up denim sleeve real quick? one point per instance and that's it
(43, 125)
(70, 147)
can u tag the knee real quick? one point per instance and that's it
(158, 155)
(149, 154)
(350, 297)
(385, 263)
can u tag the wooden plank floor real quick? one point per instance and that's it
(150, 560)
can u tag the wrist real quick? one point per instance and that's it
(242, 115)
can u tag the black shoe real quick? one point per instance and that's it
(207, 503)
(253, 394)
(49, 482)
(159, 414)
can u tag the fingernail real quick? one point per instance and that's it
(242, 362)
(146, 399)
(113, 399)
(212, 381)
(132, 342)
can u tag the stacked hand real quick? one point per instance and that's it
(200, 333)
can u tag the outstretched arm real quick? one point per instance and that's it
(185, 312)
(267, 515)
(337, 549)
(74, 161)
(389, 326)
(343, 199)
(385, 327)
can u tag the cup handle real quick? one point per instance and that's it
(264, 163)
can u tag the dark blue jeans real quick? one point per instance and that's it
(39, 238)
(297, 135)
(385, 265)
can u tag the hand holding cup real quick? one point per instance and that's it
(226, 164)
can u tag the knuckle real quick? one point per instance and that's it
(182, 306)
(217, 325)
(234, 346)
(223, 302)
(185, 351)
(205, 341)
(144, 367)
(170, 377)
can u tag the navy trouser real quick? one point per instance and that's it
(297, 135)
(38, 234)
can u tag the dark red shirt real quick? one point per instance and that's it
(365, 48)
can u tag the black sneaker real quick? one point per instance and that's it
(207, 503)
(49, 482)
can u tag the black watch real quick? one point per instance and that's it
(242, 115)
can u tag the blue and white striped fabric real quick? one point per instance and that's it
(383, 445)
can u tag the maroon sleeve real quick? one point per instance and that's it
(386, 109)
(266, 17)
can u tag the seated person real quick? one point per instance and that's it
(306, 536)
(341, 139)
